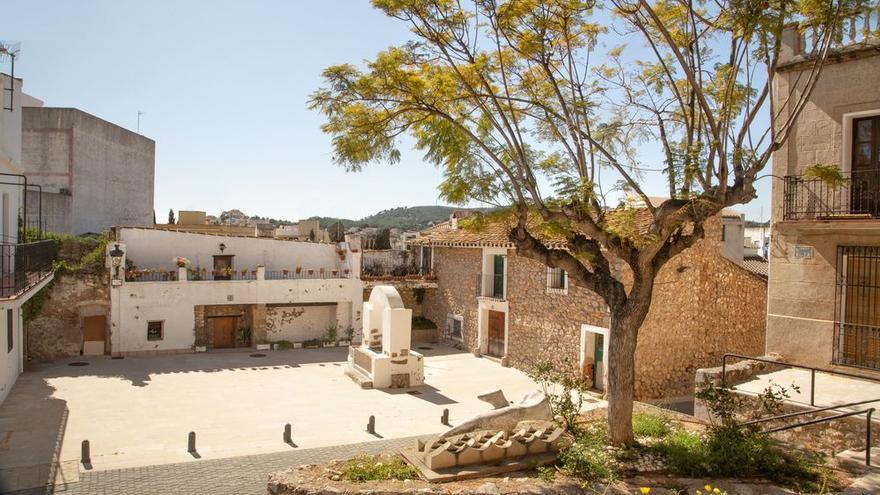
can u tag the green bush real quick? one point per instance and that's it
(376, 468)
(283, 345)
(651, 425)
(422, 323)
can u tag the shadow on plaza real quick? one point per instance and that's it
(138, 370)
(32, 426)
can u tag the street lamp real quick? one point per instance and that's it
(116, 255)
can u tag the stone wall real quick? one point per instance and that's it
(458, 283)
(704, 306)
(58, 330)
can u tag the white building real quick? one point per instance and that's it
(234, 291)
(25, 268)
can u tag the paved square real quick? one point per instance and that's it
(138, 411)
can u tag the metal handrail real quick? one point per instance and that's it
(812, 370)
(869, 412)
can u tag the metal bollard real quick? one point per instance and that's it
(86, 454)
(288, 433)
(371, 425)
(444, 419)
(191, 442)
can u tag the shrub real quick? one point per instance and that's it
(586, 458)
(376, 468)
(422, 323)
(651, 425)
(565, 391)
(283, 345)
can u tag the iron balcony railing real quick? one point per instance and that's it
(196, 275)
(306, 274)
(857, 196)
(23, 266)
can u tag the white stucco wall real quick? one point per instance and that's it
(10, 362)
(136, 303)
(152, 248)
(299, 323)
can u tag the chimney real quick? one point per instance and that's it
(792, 43)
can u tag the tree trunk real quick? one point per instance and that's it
(621, 377)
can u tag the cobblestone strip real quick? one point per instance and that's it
(243, 475)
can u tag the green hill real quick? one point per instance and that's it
(405, 218)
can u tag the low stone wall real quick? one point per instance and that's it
(58, 330)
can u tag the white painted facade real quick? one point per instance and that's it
(157, 249)
(324, 301)
(11, 201)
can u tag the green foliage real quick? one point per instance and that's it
(651, 425)
(332, 333)
(32, 308)
(376, 468)
(829, 174)
(283, 345)
(546, 473)
(243, 336)
(419, 294)
(587, 457)
(566, 393)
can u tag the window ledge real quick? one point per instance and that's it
(551, 290)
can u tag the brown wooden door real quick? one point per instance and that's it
(94, 335)
(865, 178)
(224, 332)
(496, 334)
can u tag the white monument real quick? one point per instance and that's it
(384, 359)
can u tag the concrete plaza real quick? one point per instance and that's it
(138, 411)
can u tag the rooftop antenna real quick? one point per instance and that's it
(139, 121)
(9, 50)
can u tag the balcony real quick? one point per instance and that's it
(856, 197)
(24, 266)
(198, 275)
(859, 27)
(491, 285)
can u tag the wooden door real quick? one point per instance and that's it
(224, 332)
(496, 334)
(861, 315)
(865, 177)
(94, 335)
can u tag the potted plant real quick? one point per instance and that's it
(298, 270)
(349, 333)
(284, 272)
(311, 271)
(346, 271)
(322, 271)
(172, 275)
(244, 272)
(334, 272)
(181, 262)
(263, 345)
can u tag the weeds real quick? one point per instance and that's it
(376, 468)
(651, 425)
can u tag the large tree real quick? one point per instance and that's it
(538, 107)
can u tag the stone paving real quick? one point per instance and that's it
(242, 475)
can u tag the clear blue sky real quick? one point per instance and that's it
(223, 88)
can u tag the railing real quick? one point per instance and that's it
(857, 345)
(856, 27)
(811, 369)
(491, 285)
(221, 275)
(136, 275)
(379, 270)
(306, 274)
(869, 412)
(858, 196)
(23, 266)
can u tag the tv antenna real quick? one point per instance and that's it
(9, 51)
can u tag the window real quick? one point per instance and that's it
(857, 315)
(723, 232)
(154, 330)
(865, 177)
(557, 280)
(453, 325)
(9, 331)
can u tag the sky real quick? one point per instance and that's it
(222, 87)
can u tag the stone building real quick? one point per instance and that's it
(824, 274)
(519, 312)
(93, 174)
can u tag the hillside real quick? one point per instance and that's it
(405, 218)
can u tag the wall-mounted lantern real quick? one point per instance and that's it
(116, 255)
(222, 247)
